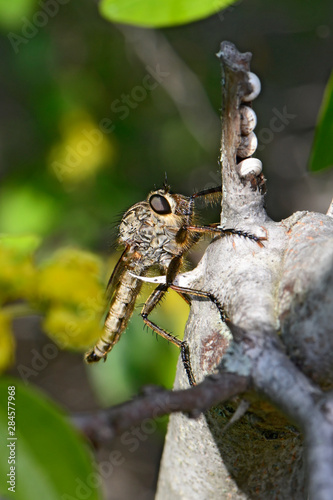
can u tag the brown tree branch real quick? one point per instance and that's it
(156, 402)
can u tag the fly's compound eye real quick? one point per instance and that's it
(159, 204)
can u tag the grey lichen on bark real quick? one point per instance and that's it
(278, 299)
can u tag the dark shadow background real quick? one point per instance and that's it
(86, 131)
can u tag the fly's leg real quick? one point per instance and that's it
(213, 229)
(183, 292)
(150, 304)
(208, 192)
(211, 193)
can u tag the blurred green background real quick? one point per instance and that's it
(92, 116)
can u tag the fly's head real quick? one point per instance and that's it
(156, 227)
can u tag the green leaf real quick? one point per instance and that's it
(51, 460)
(322, 151)
(151, 13)
(11, 13)
(24, 209)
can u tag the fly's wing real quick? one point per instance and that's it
(128, 258)
(114, 281)
(119, 269)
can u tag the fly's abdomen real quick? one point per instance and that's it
(120, 311)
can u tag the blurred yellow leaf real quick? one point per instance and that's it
(72, 277)
(70, 288)
(83, 151)
(17, 271)
(23, 244)
(74, 330)
(7, 343)
(176, 310)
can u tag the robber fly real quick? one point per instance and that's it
(156, 232)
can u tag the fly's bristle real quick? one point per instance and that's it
(210, 195)
(166, 186)
(213, 198)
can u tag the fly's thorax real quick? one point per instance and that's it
(152, 226)
(130, 224)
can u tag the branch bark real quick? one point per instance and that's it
(279, 300)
